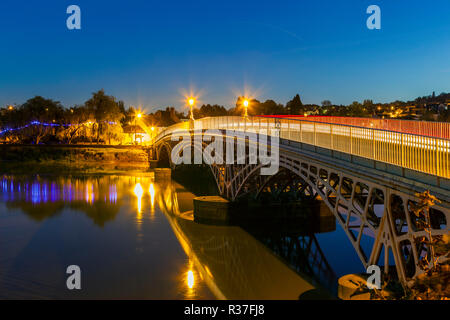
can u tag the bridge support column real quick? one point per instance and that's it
(163, 173)
(211, 209)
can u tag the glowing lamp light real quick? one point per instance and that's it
(245, 103)
(191, 102)
(190, 279)
(152, 128)
(139, 115)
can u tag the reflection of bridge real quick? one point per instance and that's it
(367, 174)
(235, 265)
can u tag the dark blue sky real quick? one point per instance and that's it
(150, 52)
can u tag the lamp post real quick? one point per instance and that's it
(139, 115)
(191, 102)
(152, 133)
(245, 103)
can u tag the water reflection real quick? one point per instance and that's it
(237, 266)
(151, 191)
(129, 251)
(230, 261)
(190, 279)
(44, 197)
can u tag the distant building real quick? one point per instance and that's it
(135, 134)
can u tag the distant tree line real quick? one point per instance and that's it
(367, 108)
(41, 120)
(102, 118)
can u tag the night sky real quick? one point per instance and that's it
(150, 53)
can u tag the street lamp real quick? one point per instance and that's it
(191, 102)
(245, 103)
(139, 115)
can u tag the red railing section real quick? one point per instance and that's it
(422, 128)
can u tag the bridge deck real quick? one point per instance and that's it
(429, 154)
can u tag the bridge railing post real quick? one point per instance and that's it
(402, 149)
(373, 144)
(436, 155)
(301, 132)
(351, 143)
(315, 136)
(289, 129)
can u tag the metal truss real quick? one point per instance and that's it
(376, 217)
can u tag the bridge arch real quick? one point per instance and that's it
(163, 155)
(363, 206)
(366, 211)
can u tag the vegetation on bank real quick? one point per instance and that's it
(64, 159)
(102, 118)
(433, 283)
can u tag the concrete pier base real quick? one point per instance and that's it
(163, 173)
(211, 209)
(153, 164)
(348, 284)
(324, 219)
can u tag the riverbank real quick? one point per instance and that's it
(72, 159)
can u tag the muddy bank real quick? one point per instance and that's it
(60, 159)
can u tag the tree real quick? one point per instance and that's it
(357, 110)
(326, 103)
(107, 113)
(295, 106)
(79, 121)
(212, 111)
(40, 115)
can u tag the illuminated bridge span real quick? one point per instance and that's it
(366, 171)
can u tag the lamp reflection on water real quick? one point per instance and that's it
(151, 190)
(90, 193)
(138, 192)
(40, 190)
(190, 279)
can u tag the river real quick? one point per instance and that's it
(135, 238)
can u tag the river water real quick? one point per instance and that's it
(134, 238)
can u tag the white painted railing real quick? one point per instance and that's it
(422, 153)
